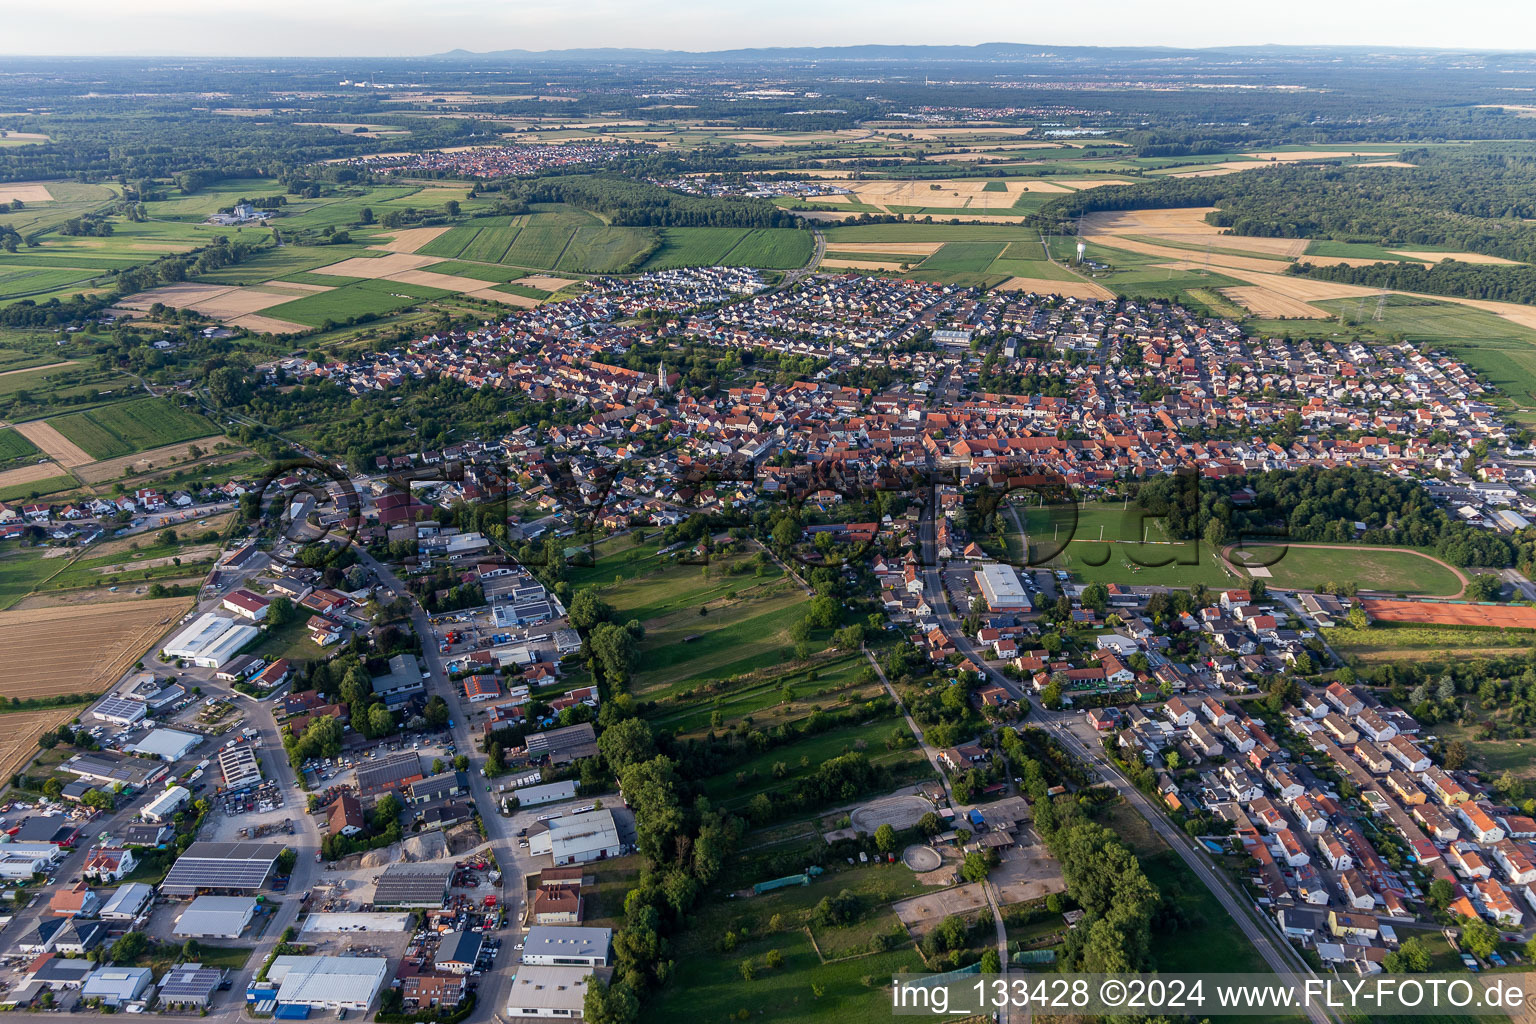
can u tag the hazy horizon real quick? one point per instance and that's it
(395, 29)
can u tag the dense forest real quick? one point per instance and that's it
(633, 203)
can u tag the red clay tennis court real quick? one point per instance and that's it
(1446, 614)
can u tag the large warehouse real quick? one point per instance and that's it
(576, 838)
(167, 744)
(222, 867)
(548, 992)
(1001, 587)
(412, 885)
(328, 982)
(215, 917)
(211, 640)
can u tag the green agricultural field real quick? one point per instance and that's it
(995, 186)
(1322, 248)
(15, 449)
(964, 257)
(1032, 268)
(132, 426)
(603, 250)
(38, 488)
(746, 631)
(377, 297)
(451, 242)
(1370, 568)
(22, 569)
(491, 244)
(768, 697)
(540, 245)
(478, 271)
(18, 282)
(693, 247)
(771, 249)
(148, 564)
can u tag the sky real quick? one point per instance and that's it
(402, 28)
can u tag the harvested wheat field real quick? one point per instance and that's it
(53, 444)
(431, 280)
(379, 266)
(968, 193)
(492, 295)
(292, 289)
(238, 302)
(1312, 154)
(1459, 257)
(409, 239)
(1188, 220)
(143, 462)
(178, 295)
(22, 731)
(545, 283)
(1290, 248)
(1205, 259)
(1264, 302)
(1084, 183)
(86, 649)
(268, 324)
(1304, 289)
(26, 191)
(1045, 286)
(838, 264)
(29, 474)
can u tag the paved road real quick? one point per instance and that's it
(494, 988)
(1277, 953)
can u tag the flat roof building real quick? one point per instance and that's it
(190, 985)
(413, 885)
(577, 838)
(221, 867)
(115, 985)
(215, 917)
(166, 804)
(562, 745)
(548, 992)
(109, 768)
(167, 744)
(383, 774)
(328, 982)
(211, 640)
(567, 946)
(1001, 587)
(120, 710)
(127, 901)
(239, 766)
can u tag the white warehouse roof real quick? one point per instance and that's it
(167, 803)
(329, 982)
(167, 744)
(210, 640)
(215, 917)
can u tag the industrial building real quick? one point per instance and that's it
(164, 807)
(23, 860)
(221, 867)
(167, 744)
(239, 766)
(127, 902)
(384, 774)
(211, 640)
(402, 681)
(1002, 589)
(108, 768)
(413, 885)
(567, 946)
(548, 992)
(215, 917)
(458, 951)
(116, 710)
(577, 838)
(190, 986)
(116, 986)
(563, 745)
(328, 982)
(549, 793)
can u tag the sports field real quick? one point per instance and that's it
(1499, 616)
(1306, 567)
(1100, 544)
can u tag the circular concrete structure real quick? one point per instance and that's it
(921, 858)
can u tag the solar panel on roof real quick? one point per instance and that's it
(412, 883)
(221, 866)
(183, 985)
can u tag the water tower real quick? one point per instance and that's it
(1082, 247)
